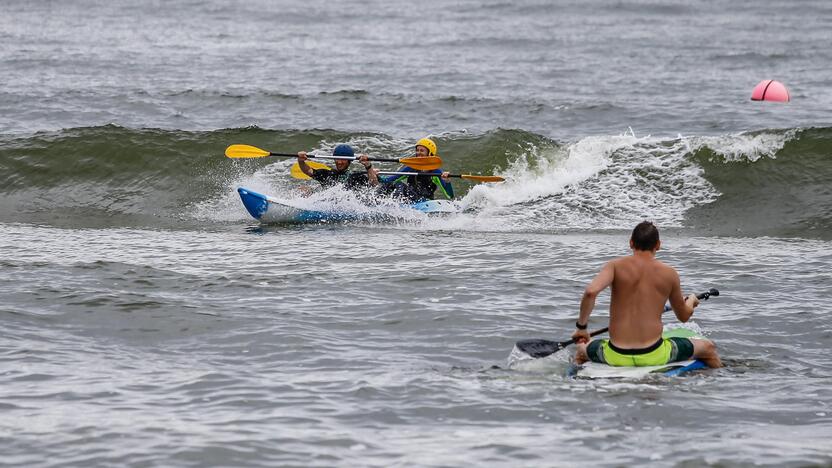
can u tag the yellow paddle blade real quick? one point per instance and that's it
(298, 174)
(427, 163)
(483, 178)
(245, 151)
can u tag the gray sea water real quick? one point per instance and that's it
(148, 320)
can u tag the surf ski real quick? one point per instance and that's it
(595, 370)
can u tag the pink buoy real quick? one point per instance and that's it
(770, 90)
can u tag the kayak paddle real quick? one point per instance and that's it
(299, 174)
(478, 178)
(541, 348)
(427, 163)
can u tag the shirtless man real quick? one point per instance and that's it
(640, 287)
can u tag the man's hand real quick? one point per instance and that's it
(365, 161)
(302, 156)
(581, 336)
(446, 176)
(692, 301)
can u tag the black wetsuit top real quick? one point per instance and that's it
(350, 180)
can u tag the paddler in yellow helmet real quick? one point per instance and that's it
(418, 187)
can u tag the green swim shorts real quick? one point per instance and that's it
(662, 352)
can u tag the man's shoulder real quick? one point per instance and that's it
(621, 260)
(665, 267)
(665, 273)
(656, 265)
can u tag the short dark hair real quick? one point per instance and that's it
(645, 236)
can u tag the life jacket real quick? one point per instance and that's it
(423, 184)
(349, 179)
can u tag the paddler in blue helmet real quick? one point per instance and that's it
(341, 174)
(641, 285)
(417, 187)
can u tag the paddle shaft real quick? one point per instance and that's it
(461, 176)
(413, 173)
(351, 158)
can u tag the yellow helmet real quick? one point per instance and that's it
(429, 144)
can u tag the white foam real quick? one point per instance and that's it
(545, 171)
(598, 182)
(227, 207)
(556, 363)
(744, 146)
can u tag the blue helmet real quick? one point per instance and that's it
(343, 150)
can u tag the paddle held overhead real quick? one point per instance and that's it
(427, 163)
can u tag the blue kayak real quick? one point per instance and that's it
(270, 210)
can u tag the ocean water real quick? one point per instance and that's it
(148, 320)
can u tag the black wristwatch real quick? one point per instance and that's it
(581, 327)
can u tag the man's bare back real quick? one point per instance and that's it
(640, 288)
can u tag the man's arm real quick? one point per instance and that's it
(444, 179)
(601, 281)
(372, 174)
(682, 306)
(302, 164)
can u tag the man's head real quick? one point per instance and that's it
(425, 147)
(645, 237)
(341, 165)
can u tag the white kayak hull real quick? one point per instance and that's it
(269, 210)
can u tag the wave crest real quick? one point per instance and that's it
(771, 182)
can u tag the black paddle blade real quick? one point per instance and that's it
(539, 348)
